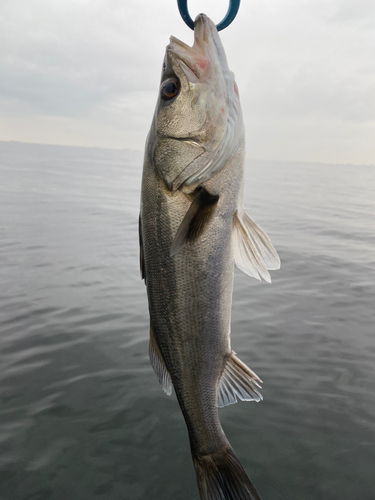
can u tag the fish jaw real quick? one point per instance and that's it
(206, 58)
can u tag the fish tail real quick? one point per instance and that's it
(220, 476)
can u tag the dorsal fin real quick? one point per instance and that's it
(237, 381)
(158, 364)
(195, 220)
(141, 254)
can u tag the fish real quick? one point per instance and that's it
(192, 229)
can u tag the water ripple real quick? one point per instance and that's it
(82, 414)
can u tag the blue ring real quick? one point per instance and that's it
(234, 5)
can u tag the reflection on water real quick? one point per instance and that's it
(81, 413)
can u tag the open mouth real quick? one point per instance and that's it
(192, 60)
(206, 53)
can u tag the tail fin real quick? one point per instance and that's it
(220, 476)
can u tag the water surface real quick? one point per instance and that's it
(81, 412)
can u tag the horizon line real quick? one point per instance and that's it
(141, 151)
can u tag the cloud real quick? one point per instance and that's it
(311, 92)
(361, 13)
(87, 71)
(64, 58)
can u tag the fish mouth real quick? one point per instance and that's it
(206, 52)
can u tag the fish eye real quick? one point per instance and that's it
(170, 89)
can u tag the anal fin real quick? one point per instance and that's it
(158, 364)
(254, 253)
(237, 381)
(195, 220)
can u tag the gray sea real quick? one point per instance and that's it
(81, 412)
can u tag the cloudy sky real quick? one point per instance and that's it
(86, 73)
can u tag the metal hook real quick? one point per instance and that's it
(234, 5)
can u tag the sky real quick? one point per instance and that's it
(86, 73)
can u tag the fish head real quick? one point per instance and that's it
(198, 113)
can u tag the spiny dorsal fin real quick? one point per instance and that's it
(195, 220)
(253, 250)
(141, 254)
(237, 381)
(157, 363)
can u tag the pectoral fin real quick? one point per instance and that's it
(253, 251)
(237, 381)
(158, 364)
(195, 220)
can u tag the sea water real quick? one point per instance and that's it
(81, 413)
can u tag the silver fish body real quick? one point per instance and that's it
(192, 230)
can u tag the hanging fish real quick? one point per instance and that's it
(193, 228)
